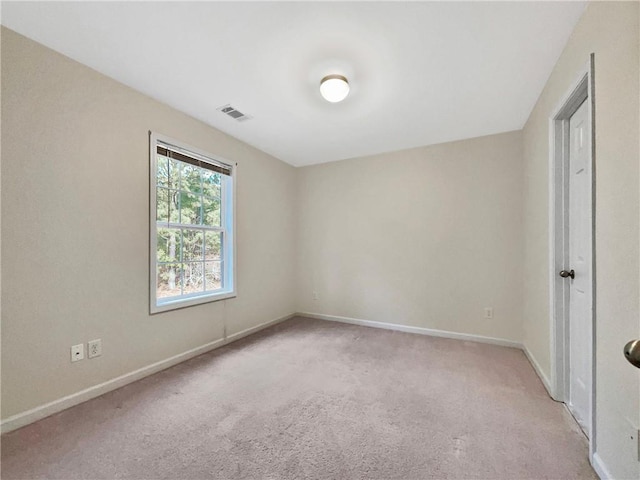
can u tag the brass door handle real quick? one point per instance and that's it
(632, 352)
(565, 274)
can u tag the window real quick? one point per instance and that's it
(192, 226)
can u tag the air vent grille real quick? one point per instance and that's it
(233, 113)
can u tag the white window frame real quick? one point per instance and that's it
(228, 225)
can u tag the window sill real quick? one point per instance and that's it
(190, 302)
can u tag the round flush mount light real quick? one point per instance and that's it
(334, 88)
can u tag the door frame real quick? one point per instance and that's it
(581, 90)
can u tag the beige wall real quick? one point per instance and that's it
(425, 237)
(610, 30)
(75, 202)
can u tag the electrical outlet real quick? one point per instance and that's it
(488, 312)
(77, 352)
(315, 295)
(95, 348)
(634, 435)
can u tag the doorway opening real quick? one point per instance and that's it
(572, 252)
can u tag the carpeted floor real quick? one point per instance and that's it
(315, 399)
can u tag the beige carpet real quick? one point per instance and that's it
(315, 399)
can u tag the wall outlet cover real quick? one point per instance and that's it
(95, 348)
(77, 352)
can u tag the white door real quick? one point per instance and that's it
(580, 250)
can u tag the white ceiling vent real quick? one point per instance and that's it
(233, 113)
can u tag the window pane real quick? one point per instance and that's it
(169, 280)
(169, 245)
(190, 176)
(162, 174)
(192, 245)
(193, 277)
(162, 204)
(213, 275)
(211, 209)
(213, 242)
(211, 182)
(190, 208)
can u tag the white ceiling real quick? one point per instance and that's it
(420, 72)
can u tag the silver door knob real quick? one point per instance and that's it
(632, 352)
(565, 274)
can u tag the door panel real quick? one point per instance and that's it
(580, 250)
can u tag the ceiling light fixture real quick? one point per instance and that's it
(334, 88)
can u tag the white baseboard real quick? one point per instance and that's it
(42, 411)
(419, 330)
(600, 468)
(536, 366)
(250, 331)
(439, 333)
